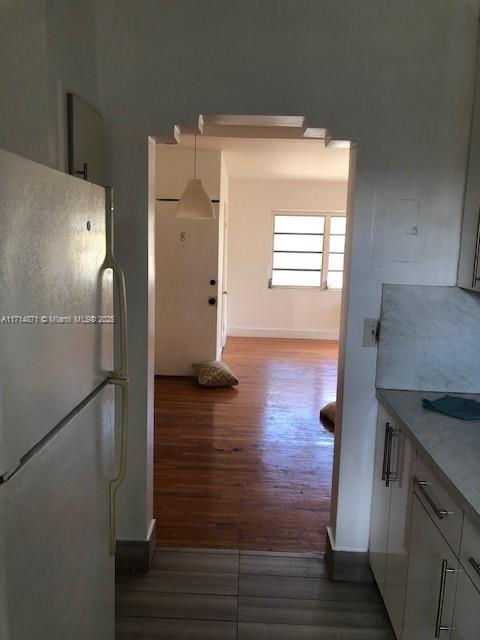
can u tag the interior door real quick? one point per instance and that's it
(85, 140)
(432, 578)
(56, 572)
(186, 286)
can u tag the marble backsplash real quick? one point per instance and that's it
(429, 339)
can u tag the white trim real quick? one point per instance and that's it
(255, 332)
(150, 529)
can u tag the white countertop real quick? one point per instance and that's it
(450, 444)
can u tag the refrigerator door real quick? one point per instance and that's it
(56, 572)
(52, 247)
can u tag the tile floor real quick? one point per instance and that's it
(207, 594)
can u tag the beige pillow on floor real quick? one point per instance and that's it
(214, 374)
(329, 411)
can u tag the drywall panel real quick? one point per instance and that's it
(24, 88)
(253, 308)
(395, 77)
(174, 166)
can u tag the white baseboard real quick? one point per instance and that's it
(242, 332)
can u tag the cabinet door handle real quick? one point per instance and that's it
(421, 484)
(441, 599)
(385, 447)
(389, 475)
(475, 565)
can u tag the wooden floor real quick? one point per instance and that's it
(230, 595)
(247, 467)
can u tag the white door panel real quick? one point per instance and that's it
(399, 528)
(56, 574)
(186, 256)
(425, 609)
(380, 504)
(467, 610)
(52, 247)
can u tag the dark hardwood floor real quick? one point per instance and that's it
(247, 467)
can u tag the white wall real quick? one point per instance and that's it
(72, 67)
(395, 77)
(47, 47)
(253, 308)
(23, 75)
(186, 260)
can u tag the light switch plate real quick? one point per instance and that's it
(370, 332)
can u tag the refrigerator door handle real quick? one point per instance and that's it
(122, 465)
(119, 376)
(112, 263)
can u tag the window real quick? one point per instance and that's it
(308, 250)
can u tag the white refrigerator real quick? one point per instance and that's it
(61, 459)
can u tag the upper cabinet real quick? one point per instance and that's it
(85, 140)
(469, 262)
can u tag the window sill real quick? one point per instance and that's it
(301, 287)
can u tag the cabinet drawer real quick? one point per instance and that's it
(441, 506)
(470, 551)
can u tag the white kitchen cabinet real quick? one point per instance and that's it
(466, 624)
(391, 510)
(432, 581)
(380, 502)
(401, 483)
(469, 260)
(467, 604)
(424, 549)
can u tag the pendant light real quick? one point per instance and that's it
(195, 203)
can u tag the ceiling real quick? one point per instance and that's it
(276, 159)
(267, 147)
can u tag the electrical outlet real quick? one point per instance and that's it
(370, 328)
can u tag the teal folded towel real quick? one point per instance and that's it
(462, 408)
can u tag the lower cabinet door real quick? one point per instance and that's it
(380, 503)
(467, 610)
(432, 581)
(402, 471)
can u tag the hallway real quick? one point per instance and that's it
(198, 594)
(248, 467)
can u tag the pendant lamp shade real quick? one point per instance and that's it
(195, 203)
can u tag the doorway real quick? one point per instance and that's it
(249, 467)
